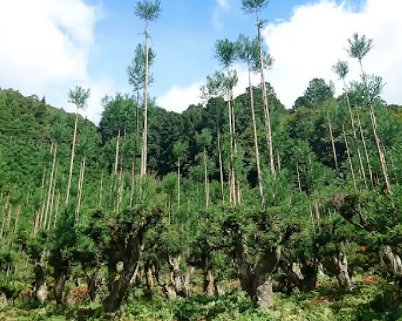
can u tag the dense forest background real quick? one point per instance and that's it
(204, 215)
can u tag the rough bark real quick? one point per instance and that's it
(337, 265)
(92, 284)
(61, 272)
(303, 276)
(256, 281)
(209, 283)
(187, 280)
(40, 290)
(391, 260)
(125, 248)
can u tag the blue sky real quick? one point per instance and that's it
(183, 38)
(63, 43)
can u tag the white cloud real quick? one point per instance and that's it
(311, 41)
(178, 99)
(216, 19)
(45, 46)
(224, 4)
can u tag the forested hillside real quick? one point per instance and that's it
(235, 209)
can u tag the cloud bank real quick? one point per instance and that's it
(45, 47)
(311, 41)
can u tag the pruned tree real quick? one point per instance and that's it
(79, 97)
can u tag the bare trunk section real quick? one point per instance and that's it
(52, 200)
(267, 119)
(333, 146)
(362, 169)
(349, 158)
(49, 193)
(232, 178)
(236, 188)
(298, 178)
(220, 161)
(56, 214)
(206, 179)
(101, 191)
(257, 151)
(365, 151)
(116, 155)
(70, 174)
(17, 218)
(80, 184)
(178, 182)
(120, 190)
(145, 111)
(376, 137)
(132, 192)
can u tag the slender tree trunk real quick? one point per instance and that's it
(333, 146)
(279, 161)
(56, 214)
(362, 169)
(116, 158)
(132, 192)
(232, 179)
(298, 178)
(145, 126)
(42, 211)
(365, 151)
(257, 151)
(376, 137)
(52, 200)
(178, 182)
(120, 190)
(206, 179)
(78, 192)
(70, 174)
(237, 187)
(17, 218)
(101, 191)
(3, 214)
(349, 158)
(266, 107)
(80, 184)
(49, 193)
(220, 163)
